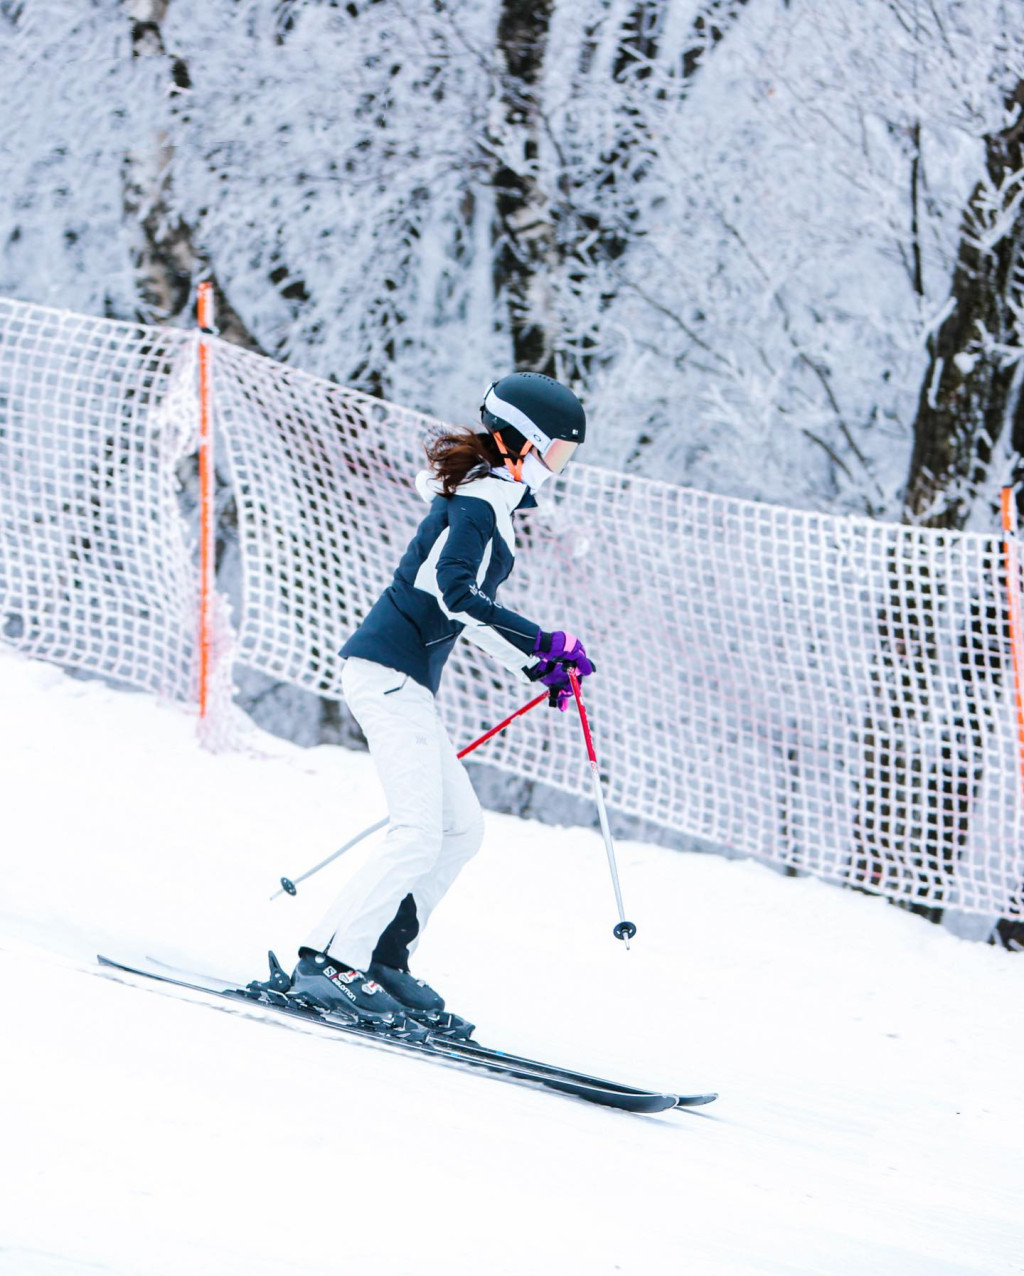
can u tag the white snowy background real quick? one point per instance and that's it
(868, 1063)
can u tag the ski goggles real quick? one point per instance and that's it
(558, 454)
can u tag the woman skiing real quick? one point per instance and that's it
(357, 958)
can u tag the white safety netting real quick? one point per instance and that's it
(828, 693)
(95, 570)
(831, 694)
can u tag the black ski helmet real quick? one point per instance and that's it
(529, 410)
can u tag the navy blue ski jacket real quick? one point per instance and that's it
(445, 585)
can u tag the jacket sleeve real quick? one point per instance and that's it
(502, 633)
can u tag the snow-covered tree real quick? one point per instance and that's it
(969, 432)
(734, 225)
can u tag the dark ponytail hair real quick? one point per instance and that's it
(459, 455)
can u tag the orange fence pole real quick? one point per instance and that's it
(1011, 554)
(206, 530)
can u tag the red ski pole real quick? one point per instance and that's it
(288, 884)
(623, 930)
(502, 725)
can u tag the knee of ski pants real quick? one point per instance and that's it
(420, 845)
(467, 830)
(426, 846)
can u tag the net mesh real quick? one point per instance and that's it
(831, 694)
(95, 568)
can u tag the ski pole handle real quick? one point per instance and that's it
(623, 930)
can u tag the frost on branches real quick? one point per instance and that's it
(734, 225)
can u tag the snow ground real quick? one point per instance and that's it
(871, 1111)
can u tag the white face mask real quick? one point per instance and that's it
(535, 472)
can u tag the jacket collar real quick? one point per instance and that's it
(526, 499)
(501, 487)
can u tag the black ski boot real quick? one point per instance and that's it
(412, 993)
(420, 1002)
(323, 983)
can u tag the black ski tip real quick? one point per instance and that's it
(624, 930)
(288, 885)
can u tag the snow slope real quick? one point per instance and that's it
(871, 1107)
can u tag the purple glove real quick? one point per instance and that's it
(565, 648)
(557, 650)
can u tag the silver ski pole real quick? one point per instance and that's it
(623, 930)
(288, 883)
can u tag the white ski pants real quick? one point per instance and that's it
(435, 821)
